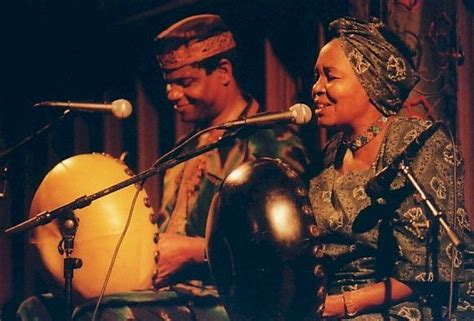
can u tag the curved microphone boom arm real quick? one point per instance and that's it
(83, 201)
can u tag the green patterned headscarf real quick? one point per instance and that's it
(377, 57)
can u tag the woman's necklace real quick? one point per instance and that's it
(366, 137)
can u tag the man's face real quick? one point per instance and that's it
(196, 96)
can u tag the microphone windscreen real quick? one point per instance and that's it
(121, 108)
(302, 113)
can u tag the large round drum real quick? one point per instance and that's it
(99, 226)
(261, 244)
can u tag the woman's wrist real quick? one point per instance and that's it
(199, 252)
(334, 306)
(350, 307)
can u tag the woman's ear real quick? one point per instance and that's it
(225, 71)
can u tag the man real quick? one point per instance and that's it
(197, 56)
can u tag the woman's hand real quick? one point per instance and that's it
(175, 252)
(375, 296)
(334, 306)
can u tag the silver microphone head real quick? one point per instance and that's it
(302, 113)
(121, 108)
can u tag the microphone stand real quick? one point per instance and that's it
(66, 247)
(438, 218)
(70, 224)
(47, 216)
(11, 149)
(37, 133)
(436, 214)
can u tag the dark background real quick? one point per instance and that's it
(96, 50)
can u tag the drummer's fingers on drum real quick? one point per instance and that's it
(162, 276)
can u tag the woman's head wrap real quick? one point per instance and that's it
(380, 61)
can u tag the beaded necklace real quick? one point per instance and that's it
(367, 136)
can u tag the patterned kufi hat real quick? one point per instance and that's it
(192, 40)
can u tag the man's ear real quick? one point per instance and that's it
(225, 71)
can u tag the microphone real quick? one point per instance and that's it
(379, 184)
(298, 114)
(120, 108)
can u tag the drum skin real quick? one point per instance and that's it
(261, 237)
(100, 226)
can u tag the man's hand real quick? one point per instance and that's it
(175, 252)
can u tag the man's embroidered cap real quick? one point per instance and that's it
(192, 39)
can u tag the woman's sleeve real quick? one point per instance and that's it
(280, 142)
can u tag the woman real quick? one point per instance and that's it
(391, 268)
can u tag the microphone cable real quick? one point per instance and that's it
(455, 206)
(178, 147)
(117, 248)
(163, 158)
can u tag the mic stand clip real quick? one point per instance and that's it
(68, 225)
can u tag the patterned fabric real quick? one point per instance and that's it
(137, 306)
(399, 245)
(384, 72)
(189, 181)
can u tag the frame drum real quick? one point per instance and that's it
(99, 226)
